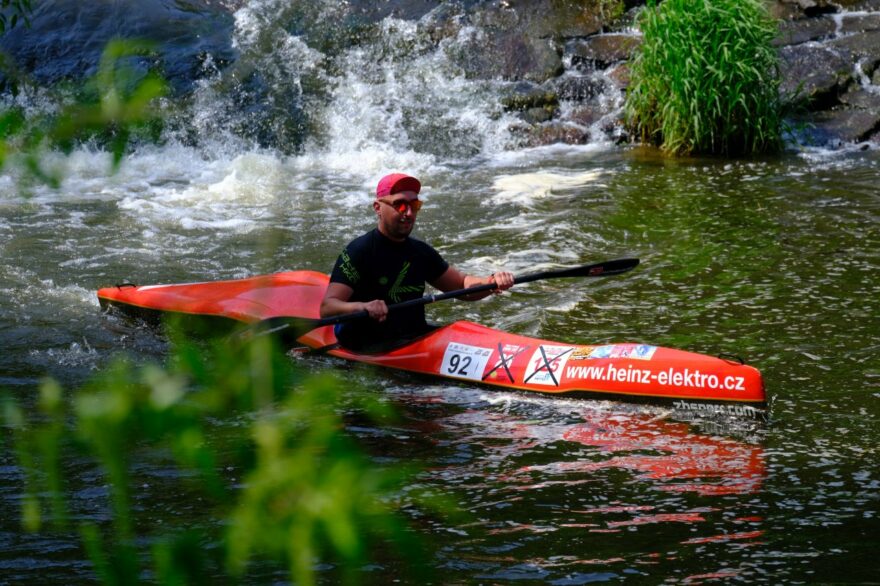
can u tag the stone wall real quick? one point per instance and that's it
(570, 79)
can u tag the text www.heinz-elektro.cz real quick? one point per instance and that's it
(669, 377)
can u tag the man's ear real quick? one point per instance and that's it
(376, 206)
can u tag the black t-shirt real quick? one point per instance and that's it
(376, 267)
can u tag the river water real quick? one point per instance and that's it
(774, 259)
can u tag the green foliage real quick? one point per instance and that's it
(115, 106)
(706, 78)
(308, 492)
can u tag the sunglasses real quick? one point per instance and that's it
(400, 205)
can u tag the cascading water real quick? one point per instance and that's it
(395, 96)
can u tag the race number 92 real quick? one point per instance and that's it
(464, 361)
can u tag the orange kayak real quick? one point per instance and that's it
(466, 351)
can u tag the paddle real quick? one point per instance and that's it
(297, 326)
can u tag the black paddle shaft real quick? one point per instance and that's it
(604, 269)
(301, 325)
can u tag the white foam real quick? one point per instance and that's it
(525, 188)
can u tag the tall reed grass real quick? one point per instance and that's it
(706, 78)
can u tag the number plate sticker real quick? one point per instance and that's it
(547, 364)
(464, 361)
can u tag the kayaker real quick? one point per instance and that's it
(387, 265)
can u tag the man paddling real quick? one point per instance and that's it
(386, 266)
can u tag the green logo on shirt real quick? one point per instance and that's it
(397, 289)
(348, 268)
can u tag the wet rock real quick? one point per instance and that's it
(372, 11)
(538, 115)
(551, 133)
(545, 18)
(600, 51)
(860, 23)
(524, 95)
(794, 9)
(862, 47)
(66, 38)
(795, 32)
(620, 75)
(511, 56)
(858, 4)
(522, 39)
(517, 39)
(817, 73)
(588, 114)
(861, 99)
(834, 127)
(579, 88)
(828, 63)
(534, 104)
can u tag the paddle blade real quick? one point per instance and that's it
(611, 267)
(602, 269)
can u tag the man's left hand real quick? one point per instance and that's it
(503, 280)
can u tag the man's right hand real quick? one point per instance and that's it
(377, 309)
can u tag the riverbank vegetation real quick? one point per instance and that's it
(706, 79)
(288, 484)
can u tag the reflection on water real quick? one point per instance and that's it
(571, 492)
(668, 453)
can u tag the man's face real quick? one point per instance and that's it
(397, 214)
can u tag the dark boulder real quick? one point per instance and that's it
(620, 75)
(550, 133)
(795, 32)
(834, 127)
(579, 88)
(522, 39)
(858, 4)
(860, 23)
(525, 95)
(67, 37)
(534, 104)
(861, 47)
(795, 9)
(816, 73)
(601, 51)
(861, 99)
(507, 53)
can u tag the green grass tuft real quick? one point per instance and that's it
(706, 79)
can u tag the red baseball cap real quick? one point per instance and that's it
(395, 183)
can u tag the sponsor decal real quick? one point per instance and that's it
(637, 351)
(464, 361)
(582, 353)
(501, 369)
(546, 364)
(719, 409)
(674, 377)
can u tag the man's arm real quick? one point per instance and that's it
(453, 279)
(336, 302)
